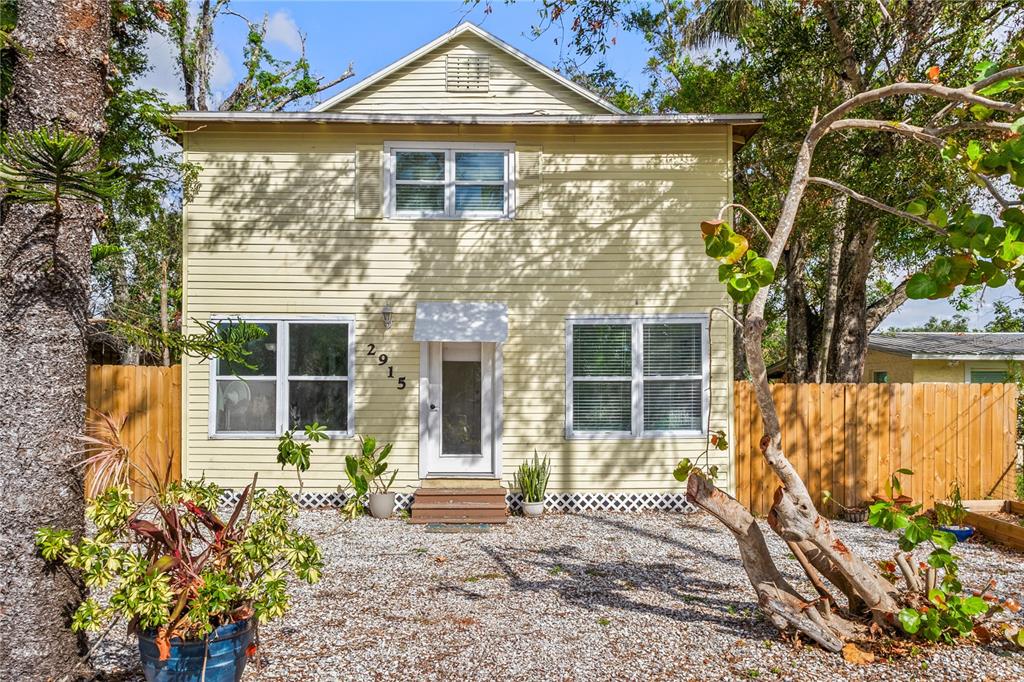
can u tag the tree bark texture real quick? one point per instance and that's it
(44, 292)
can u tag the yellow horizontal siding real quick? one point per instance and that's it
(514, 87)
(273, 232)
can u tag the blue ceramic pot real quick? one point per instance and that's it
(961, 532)
(223, 653)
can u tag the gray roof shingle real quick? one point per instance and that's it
(947, 344)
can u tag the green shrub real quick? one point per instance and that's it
(532, 478)
(175, 567)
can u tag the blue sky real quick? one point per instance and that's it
(371, 35)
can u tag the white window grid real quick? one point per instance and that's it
(450, 182)
(284, 377)
(637, 377)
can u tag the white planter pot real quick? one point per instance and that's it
(533, 509)
(382, 505)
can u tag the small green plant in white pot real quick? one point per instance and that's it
(365, 472)
(532, 480)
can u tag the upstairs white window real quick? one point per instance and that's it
(299, 373)
(451, 182)
(629, 377)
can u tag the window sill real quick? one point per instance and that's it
(646, 435)
(450, 218)
(263, 435)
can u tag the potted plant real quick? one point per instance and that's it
(950, 517)
(191, 585)
(855, 514)
(532, 480)
(365, 471)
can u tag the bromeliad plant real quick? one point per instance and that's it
(177, 568)
(937, 607)
(365, 472)
(532, 478)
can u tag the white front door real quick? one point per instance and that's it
(460, 414)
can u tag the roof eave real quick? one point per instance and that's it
(747, 122)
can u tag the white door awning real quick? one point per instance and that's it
(461, 322)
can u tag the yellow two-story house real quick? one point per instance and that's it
(474, 258)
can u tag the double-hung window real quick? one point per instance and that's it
(454, 181)
(300, 372)
(629, 376)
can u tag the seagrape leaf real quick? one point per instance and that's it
(921, 286)
(761, 271)
(739, 246)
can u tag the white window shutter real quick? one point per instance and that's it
(529, 175)
(369, 182)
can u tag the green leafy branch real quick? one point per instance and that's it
(229, 341)
(742, 271)
(291, 452)
(938, 610)
(47, 165)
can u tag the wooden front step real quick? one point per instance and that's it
(459, 505)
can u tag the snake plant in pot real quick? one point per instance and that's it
(191, 585)
(532, 480)
(365, 471)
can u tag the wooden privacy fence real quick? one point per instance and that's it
(150, 398)
(849, 438)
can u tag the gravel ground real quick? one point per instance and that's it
(603, 596)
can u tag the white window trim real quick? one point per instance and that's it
(282, 377)
(637, 393)
(449, 149)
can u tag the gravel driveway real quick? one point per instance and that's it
(602, 596)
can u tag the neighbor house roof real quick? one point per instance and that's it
(450, 35)
(949, 345)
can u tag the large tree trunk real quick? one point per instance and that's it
(800, 325)
(44, 293)
(850, 339)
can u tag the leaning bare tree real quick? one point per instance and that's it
(977, 127)
(58, 80)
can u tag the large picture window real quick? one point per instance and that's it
(636, 376)
(449, 181)
(299, 373)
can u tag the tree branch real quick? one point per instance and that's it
(916, 132)
(874, 203)
(348, 73)
(885, 306)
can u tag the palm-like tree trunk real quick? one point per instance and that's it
(44, 291)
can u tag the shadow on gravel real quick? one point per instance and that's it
(611, 584)
(672, 542)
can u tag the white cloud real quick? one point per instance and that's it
(221, 74)
(163, 74)
(282, 29)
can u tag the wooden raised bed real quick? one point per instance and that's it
(1004, 532)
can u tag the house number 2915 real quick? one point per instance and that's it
(382, 361)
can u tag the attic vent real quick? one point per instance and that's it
(467, 72)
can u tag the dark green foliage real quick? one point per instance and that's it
(47, 165)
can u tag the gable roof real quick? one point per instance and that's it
(461, 29)
(949, 345)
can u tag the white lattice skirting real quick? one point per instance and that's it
(556, 502)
